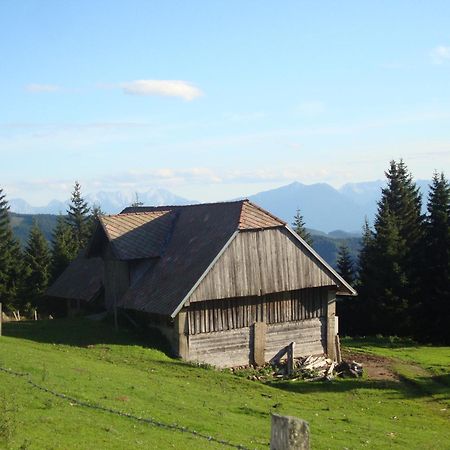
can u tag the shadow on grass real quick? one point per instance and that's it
(418, 387)
(82, 332)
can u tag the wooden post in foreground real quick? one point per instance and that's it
(290, 358)
(289, 433)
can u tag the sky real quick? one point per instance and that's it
(219, 99)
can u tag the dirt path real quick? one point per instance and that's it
(376, 367)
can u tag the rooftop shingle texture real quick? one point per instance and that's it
(138, 235)
(199, 234)
(253, 217)
(82, 280)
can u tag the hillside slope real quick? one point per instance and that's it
(92, 364)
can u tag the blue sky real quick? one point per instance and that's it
(214, 100)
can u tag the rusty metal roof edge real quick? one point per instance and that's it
(216, 258)
(350, 290)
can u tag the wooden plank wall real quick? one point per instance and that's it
(309, 337)
(261, 262)
(227, 314)
(116, 278)
(116, 281)
(222, 349)
(234, 347)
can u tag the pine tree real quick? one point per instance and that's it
(299, 227)
(96, 212)
(436, 286)
(357, 315)
(346, 307)
(78, 218)
(10, 258)
(390, 276)
(37, 267)
(344, 265)
(64, 248)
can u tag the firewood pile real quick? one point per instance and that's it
(314, 368)
(310, 368)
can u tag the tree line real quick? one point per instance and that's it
(402, 274)
(25, 274)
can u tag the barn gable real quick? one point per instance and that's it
(262, 262)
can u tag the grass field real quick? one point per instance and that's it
(92, 363)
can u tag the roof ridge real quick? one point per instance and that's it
(190, 205)
(135, 213)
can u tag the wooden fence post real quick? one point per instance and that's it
(289, 433)
(290, 358)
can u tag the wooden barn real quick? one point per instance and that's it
(227, 283)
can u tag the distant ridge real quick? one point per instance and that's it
(323, 207)
(111, 202)
(326, 208)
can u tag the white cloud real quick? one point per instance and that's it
(170, 88)
(440, 54)
(35, 87)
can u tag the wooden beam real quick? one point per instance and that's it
(331, 324)
(259, 343)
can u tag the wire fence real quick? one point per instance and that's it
(146, 420)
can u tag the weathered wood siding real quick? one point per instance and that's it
(261, 262)
(222, 349)
(309, 337)
(116, 278)
(235, 347)
(220, 315)
(221, 332)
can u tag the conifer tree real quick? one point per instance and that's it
(37, 267)
(10, 258)
(347, 307)
(357, 315)
(299, 227)
(79, 218)
(64, 248)
(436, 284)
(96, 212)
(344, 264)
(390, 274)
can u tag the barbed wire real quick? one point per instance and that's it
(147, 420)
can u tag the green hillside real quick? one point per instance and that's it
(21, 224)
(97, 367)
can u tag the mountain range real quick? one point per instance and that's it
(111, 202)
(322, 206)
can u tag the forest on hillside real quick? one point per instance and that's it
(400, 267)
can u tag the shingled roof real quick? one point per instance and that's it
(138, 235)
(82, 280)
